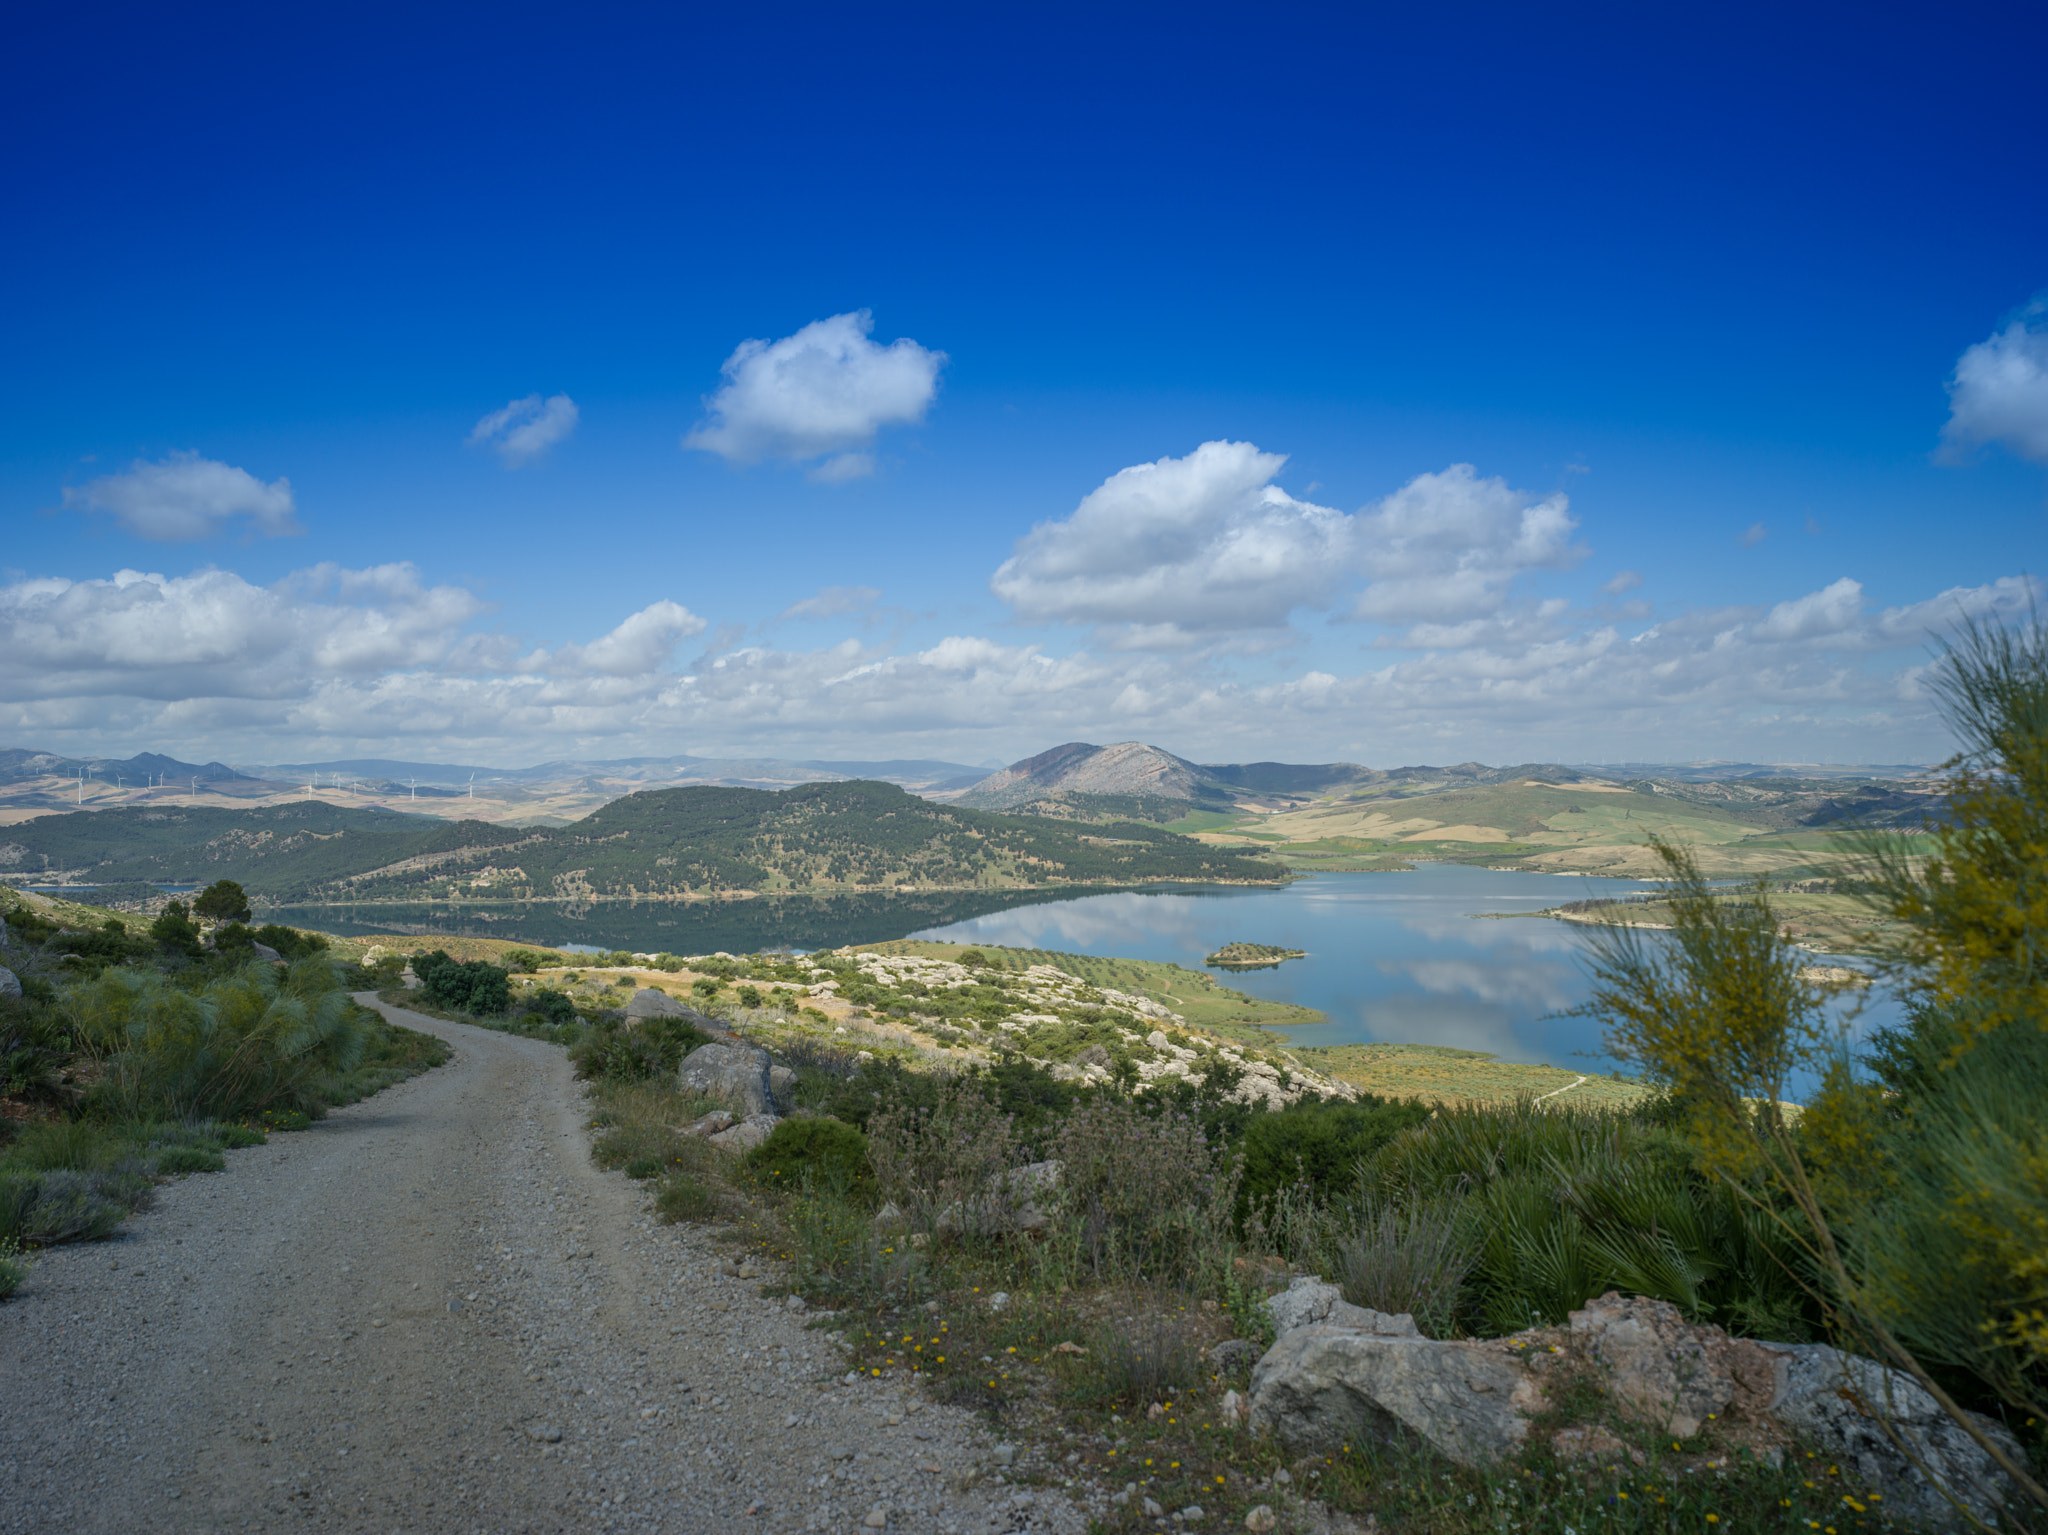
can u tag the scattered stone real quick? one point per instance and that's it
(1192, 1512)
(1005, 1455)
(746, 1135)
(1233, 1409)
(1153, 1510)
(712, 1123)
(1068, 1348)
(262, 951)
(999, 1300)
(543, 1433)
(1233, 1354)
(793, 1303)
(877, 1519)
(1155, 1412)
(1261, 1519)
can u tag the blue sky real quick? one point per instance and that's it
(399, 358)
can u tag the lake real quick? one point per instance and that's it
(1396, 957)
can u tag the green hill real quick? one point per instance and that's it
(662, 844)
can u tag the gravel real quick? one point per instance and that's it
(433, 1312)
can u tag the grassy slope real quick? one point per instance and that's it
(1443, 1075)
(1533, 826)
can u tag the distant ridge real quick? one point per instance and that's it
(17, 765)
(1130, 777)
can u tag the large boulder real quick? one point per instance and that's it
(782, 1088)
(735, 1074)
(1661, 1369)
(1322, 1387)
(648, 1002)
(10, 984)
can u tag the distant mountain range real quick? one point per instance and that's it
(1131, 778)
(17, 765)
(737, 772)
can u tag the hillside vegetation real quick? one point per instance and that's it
(662, 844)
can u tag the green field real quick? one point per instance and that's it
(1585, 827)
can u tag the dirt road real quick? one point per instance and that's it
(432, 1312)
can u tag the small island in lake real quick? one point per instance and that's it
(1252, 956)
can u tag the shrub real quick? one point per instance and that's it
(1153, 1361)
(470, 986)
(190, 1159)
(684, 1195)
(1412, 1261)
(798, 1149)
(64, 1205)
(948, 1154)
(1320, 1144)
(1563, 1204)
(258, 1039)
(174, 931)
(614, 1053)
(552, 1005)
(289, 942)
(1150, 1197)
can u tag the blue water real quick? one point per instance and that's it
(1393, 957)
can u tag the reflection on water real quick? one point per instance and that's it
(1395, 957)
(696, 927)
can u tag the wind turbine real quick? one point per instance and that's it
(472, 788)
(415, 787)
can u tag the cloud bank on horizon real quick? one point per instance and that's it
(1172, 573)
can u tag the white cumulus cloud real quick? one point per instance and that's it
(2000, 391)
(820, 395)
(1182, 549)
(1446, 548)
(525, 429)
(184, 497)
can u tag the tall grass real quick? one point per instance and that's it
(256, 1040)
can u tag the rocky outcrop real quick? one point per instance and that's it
(1323, 1387)
(736, 1074)
(1837, 1400)
(746, 1135)
(1339, 1374)
(1309, 1302)
(10, 984)
(1017, 1200)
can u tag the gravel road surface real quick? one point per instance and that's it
(433, 1312)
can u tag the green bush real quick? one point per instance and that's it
(813, 1148)
(1317, 1143)
(469, 986)
(190, 1159)
(611, 1052)
(222, 901)
(258, 1039)
(552, 1005)
(1561, 1205)
(13, 1271)
(174, 931)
